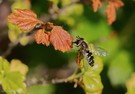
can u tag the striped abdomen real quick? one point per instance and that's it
(89, 57)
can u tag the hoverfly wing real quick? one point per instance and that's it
(99, 51)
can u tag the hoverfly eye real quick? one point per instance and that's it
(76, 42)
(81, 38)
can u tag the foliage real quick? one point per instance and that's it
(130, 84)
(14, 31)
(12, 78)
(115, 68)
(56, 23)
(27, 20)
(91, 78)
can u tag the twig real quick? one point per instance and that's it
(46, 77)
(10, 47)
(16, 42)
(69, 79)
(54, 11)
(72, 78)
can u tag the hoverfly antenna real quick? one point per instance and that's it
(77, 37)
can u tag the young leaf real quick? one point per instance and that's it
(24, 40)
(4, 66)
(130, 84)
(13, 83)
(14, 32)
(96, 4)
(23, 4)
(24, 19)
(17, 65)
(98, 64)
(60, 39)
(11, 78)
(92, 82)
(111, 10)
(42, 37)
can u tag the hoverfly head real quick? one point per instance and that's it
(78, 40)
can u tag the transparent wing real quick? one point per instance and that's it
(97, 50)
(100, 51)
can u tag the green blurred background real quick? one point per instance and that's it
(78, 19)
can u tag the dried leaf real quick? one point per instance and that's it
(60, 39)
(24, 19)
(96, 4)
(111, 10)
(42, 37)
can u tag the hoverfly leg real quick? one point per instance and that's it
(79, 57)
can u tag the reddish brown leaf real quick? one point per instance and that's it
(117, 3)
(42, 37)
(111, 10)
(61, 39)
(24, 19)
(96, 4)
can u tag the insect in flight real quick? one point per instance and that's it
(84, 50)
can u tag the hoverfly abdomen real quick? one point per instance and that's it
(91, 62)
(89, 57)
(89, 53)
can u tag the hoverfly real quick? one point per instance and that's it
(88, 54)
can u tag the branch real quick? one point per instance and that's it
(42, 75)
(11, 45)
(54, 11)
(71, 78)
